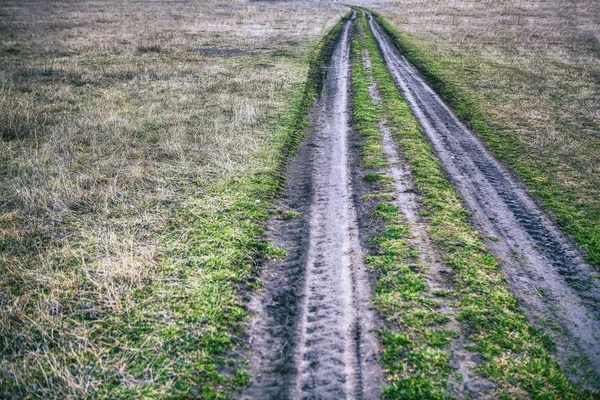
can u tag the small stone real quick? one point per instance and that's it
(477, 358)
(486, 384)
(479, 385)
(471, 387)
(452, 363)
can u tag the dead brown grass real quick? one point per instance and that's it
(535, 64)
(112, 115)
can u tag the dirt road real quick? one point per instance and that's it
(313, 337)
(313, 334)
(556, 289)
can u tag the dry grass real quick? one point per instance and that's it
(114, 116)
(533, 67)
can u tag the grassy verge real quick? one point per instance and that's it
(515, 356)
(136, 170)
(218, 241)
(551, 173)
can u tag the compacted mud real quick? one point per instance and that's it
(313, 334)
(556, 288)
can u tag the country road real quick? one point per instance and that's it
(314, 330)
(300, 200)
(335, 347)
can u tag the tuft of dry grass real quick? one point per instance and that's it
(531, 68)
(118, 137)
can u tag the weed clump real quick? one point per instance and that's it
(18, 121)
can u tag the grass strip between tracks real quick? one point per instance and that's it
(414, 356)
(515, 355)
(575, 218)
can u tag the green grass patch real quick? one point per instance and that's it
(372, 177)
(215, 243)
(413, 355)
(172, 337)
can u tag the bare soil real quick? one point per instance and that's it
(313, 333)
(406, 197)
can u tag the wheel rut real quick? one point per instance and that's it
(408, 201)
(557, 290)
(313, 331)
(313, 336)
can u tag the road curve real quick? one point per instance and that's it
(544, 269)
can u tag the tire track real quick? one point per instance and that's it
(462, 360)
(546, 272)
(313, 337)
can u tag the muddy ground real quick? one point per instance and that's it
(313, 336)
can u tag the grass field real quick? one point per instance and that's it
(525, 75)
(140, 146)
